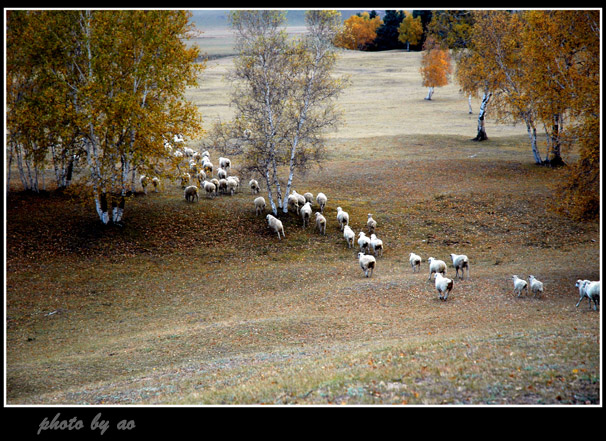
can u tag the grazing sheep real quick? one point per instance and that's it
(342, 217)
(197, 157)
(436, 266)
(254, 186)
(443, 285)
(363, 241)
(247, 134)
(591, 290)
(293, 202)
(321, 200)
(144, 180)
(460, 262)
(309, 197)
(216, 182)
(188, 152)
(306, 213)
(367, 263)
(415, 262)
(178, 138)
(519, 285)
(259, 205)
(156, 183)
(178, 154)
(190, 193)
(221, 173)
(320, 222)
(536, 286)
(224, 163)
(376, 245)
(349, 236)
(371, 224)
(209, 188)
(206, 155)
(232, 185)
(275, 225)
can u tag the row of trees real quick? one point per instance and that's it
(99, 88)
(540, 68)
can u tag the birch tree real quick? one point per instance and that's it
(284, 95)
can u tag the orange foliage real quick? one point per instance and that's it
(436, 66)
(358, 31)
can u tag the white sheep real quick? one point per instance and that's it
(367, 263)
(259, 205)
(321, 200)
(206, 155)
(215, 181)
(591, 290)
(363, 242)
(415, 262)
(156, 183)
(178, 154)
(349, 236)
(376, 245)
(342, 217)
(144, 180)
(201, 177)
(178, 138)
(209, 188)
(190, 193)
(460, 262)
(308, 197)
(320, 222)
(224, 163)
(305, 212)
(185, 178)
(300, 198)
(293, 202)
(232, 185)
(443, 286)
(536, 286)
(436, 266)
(519, 285)
(188, 152)
(275, 225)
(222, 185)
(221, 173)
(371, 224)
(254, 186)
(197, 157)
(207, 166)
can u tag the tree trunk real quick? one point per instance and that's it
(481, 136)
(469, 103)
(532, 134)
(429, 93)
(554, 155)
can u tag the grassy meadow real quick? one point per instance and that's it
(199, 303)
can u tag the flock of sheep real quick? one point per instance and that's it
(302, 205)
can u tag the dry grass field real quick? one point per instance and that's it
(198, 304)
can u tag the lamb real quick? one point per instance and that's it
(254, 186)
(209, 188)
(536, 286)
(342, 217)
(460, 262)
(259, 205)
(190, 193)
(363, 241)
(367, 263)
(415, 262)
(376, 245)
(320, 222)
(224, 163)
(309, 197)
(519, 285)
(305, 212)
(443, 285)
(349, 236)
(321, 200)
(591, 290)
(275, 225)
(371, 224)
(436, 266)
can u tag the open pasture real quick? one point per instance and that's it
(199, 303)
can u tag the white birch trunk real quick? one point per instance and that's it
(429, 93)
(469, 103)
(481, 135)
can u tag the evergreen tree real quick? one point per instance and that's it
(387, 34)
